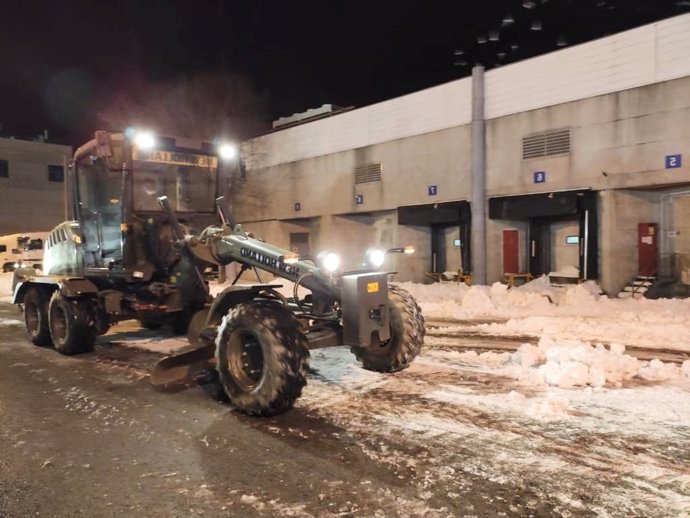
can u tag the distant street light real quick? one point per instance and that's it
(508, 20)
(561, 41)
(536, 25)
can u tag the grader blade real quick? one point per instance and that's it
(178, 370)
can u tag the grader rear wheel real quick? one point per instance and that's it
(36, 317)
(72, 324)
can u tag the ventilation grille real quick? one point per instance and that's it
(556, 142)
(368, 173)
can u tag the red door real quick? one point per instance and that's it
(647, 246)
(511, 247)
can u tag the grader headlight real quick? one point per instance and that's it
(227, 151)
(144, 140)
(375, 258)
(329, 261)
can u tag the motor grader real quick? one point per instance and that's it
(133, 249)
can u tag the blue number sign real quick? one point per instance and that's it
(540, 177)
(673, 161)
(433, 190)
(359, 199)
(298, 206)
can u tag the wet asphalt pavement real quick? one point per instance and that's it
(87, 436)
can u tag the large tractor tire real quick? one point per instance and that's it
(407, 336)
(36, 316)
(262, 358)
(72, 325)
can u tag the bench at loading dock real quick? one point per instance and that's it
(511, 278)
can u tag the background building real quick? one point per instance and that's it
(31, 185)
(586, 168)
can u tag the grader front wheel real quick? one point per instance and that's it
(407, 335)
(262, 358)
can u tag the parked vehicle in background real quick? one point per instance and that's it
(22, 250)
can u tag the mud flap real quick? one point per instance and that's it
(177, 371)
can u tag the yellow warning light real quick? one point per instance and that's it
(372, 287)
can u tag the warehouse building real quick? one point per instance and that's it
(574, 161)
(32, 179)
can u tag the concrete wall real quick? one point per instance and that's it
(625, 99)
(625, 135)
(618, 141)
(28, 201)
(325, 185)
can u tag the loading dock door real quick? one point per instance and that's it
(539, 247)
(445, 248)
(647, 246)
(450, 224)
(544, 209)
(511, 251)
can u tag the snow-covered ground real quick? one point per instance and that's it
(582, 424)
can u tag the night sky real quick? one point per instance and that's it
(229, 67)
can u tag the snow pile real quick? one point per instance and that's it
(574, 363)
(560, 312)
(10, 322)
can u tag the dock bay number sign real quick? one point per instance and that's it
(673, 161)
